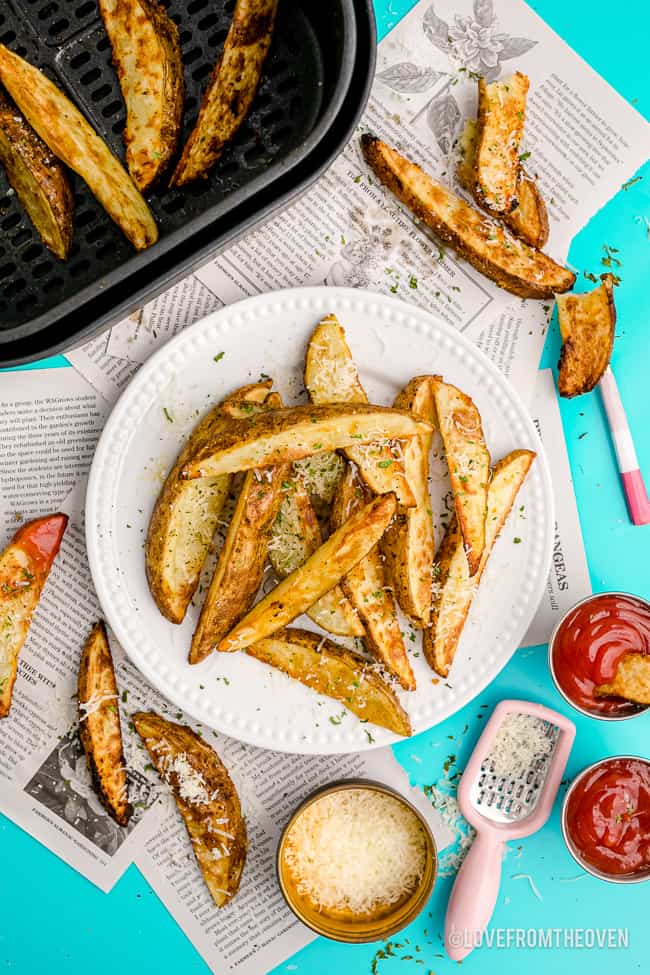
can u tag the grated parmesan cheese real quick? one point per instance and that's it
(355, 850)
(521, 739)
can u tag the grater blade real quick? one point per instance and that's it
(503, 799)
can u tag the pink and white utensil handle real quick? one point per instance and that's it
(473, 896)
(628, 465)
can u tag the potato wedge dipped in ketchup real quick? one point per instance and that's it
(24, 566)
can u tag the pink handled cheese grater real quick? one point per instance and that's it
(502, 807)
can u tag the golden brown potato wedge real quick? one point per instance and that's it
(70, 137)
(24, 566)
(206, 799)
(529, 220)
(338, 673)
(501, 119)
(231, 88)
(331, 377)
(366, 586)
(469, 463)
(147, 59)
(321, 474)
(39, 180)
(321, 572)
(295, 536)
(294, 432)
(185, 517)
(453, 587)
(100, 731)
(506, 260)
(631, 681)
(408, 544)
(587, 325)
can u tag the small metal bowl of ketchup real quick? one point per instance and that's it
(606, 819)
(587, 645)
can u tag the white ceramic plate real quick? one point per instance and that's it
(391, 342)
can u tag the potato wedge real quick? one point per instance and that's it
(509, 262)
(70, 137)
(100, 731)
(366, 586)
(409, 545)
(295, 536)
(338, 673)
(587, 325)
(298, 431)
(631, 681)
(469, 464)
(501, 119)
(231, 88)
(321, 572)
(454, 588)
(39, 180)
(529, 220)
(206, 799)
(24, 567)
(331, 377)
(185, 517)
(147, 59)
(321, 474)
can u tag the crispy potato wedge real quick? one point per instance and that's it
(331, 377)
(366, 586)
(70, 137)
(321, 572)
(631, 681)
(206, 799)
(321, 474)
(298, 431)
(409, 545)
(454, 588)
(501, 119)
(100, 731)
(529, 220)
(185, 517)
(506, 260)
(338, 673)
(587, 325)
(295, 536)
(24, 566)
(39, 180)
(231, 88)
(147, 59)
(468, 459)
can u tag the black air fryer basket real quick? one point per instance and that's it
(314, 88)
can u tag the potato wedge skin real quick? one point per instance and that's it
(501, 119)
(409, 545)
(631, 681)
(588, 325)
(320, 573)
(365, 585)
(147, 59)
(24, 567)
(295, 432)
(39, 180)
(454, 587)
(231, 88)
(65, 130)
(100, 731)
(516, 268)
(185, 516)
(468, 458)
(331, 377)
(338, 673)
(206, 799)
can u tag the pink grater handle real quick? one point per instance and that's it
(473, 896)
(628, 465)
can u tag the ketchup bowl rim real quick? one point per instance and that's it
(598, 715)
(611, 878)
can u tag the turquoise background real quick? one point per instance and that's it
(53, 920)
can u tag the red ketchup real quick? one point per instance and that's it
(608, 816)
(589, 645)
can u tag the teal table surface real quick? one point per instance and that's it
(53, 920)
